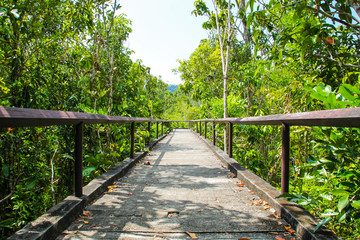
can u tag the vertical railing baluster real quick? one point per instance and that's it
(162, 128)
(157, 130)
(197, 127)
(214, 139)
(149, 130)
(230, 139)
(78, 159)
(205, 133)
(132, 139)
(285, 158)
(200, 127)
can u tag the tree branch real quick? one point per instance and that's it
(332, 17)
(337, 61)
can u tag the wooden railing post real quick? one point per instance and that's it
(149, 130)
(230, 139)
(205, 130)
(132, 139)
(78, 159)
(200, 127)
(197, 127)
(214, 139)
(157, 129)
(285, 158)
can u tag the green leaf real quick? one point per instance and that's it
(325, 7)
(322, 222)
(329, 214)
(343, 217)
(340, 192)
(7, 223)
(343, 202)
(31, 184)
(6, 171)
(257, 70)
(356, 204)
(3, 11)
(346, 93)
(15, 13)
(286, 195)
(87, 171)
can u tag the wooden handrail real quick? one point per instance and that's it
(349, 117)
(21, 117)
(25, 117)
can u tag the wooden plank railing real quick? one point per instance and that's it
(20, 117)
(331, 118)
(23, 117)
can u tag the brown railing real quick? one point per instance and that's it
(19, 117)
(22, 117)
(331, 118)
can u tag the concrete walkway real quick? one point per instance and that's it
(179, 191)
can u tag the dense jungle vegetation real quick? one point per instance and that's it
(275, 57)
(66, 55)
(265, 57)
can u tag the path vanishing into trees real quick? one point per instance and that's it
(180, 190)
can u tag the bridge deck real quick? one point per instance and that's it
(183, 191)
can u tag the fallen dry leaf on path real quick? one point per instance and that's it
(240, 185)
(192, 235)
(81, 220)
(279, 238)
(70, 232)
(258, 203)
(288, 229)
(111, 188)
(275, 215)
(86, 213)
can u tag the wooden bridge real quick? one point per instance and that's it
(185, 188)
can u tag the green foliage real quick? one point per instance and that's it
(301, 56)
(66, 55)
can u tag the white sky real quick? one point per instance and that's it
(163, 31)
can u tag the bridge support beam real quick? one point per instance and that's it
(78, 159)
(230, 139)
(285, 158)
(132, 139)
